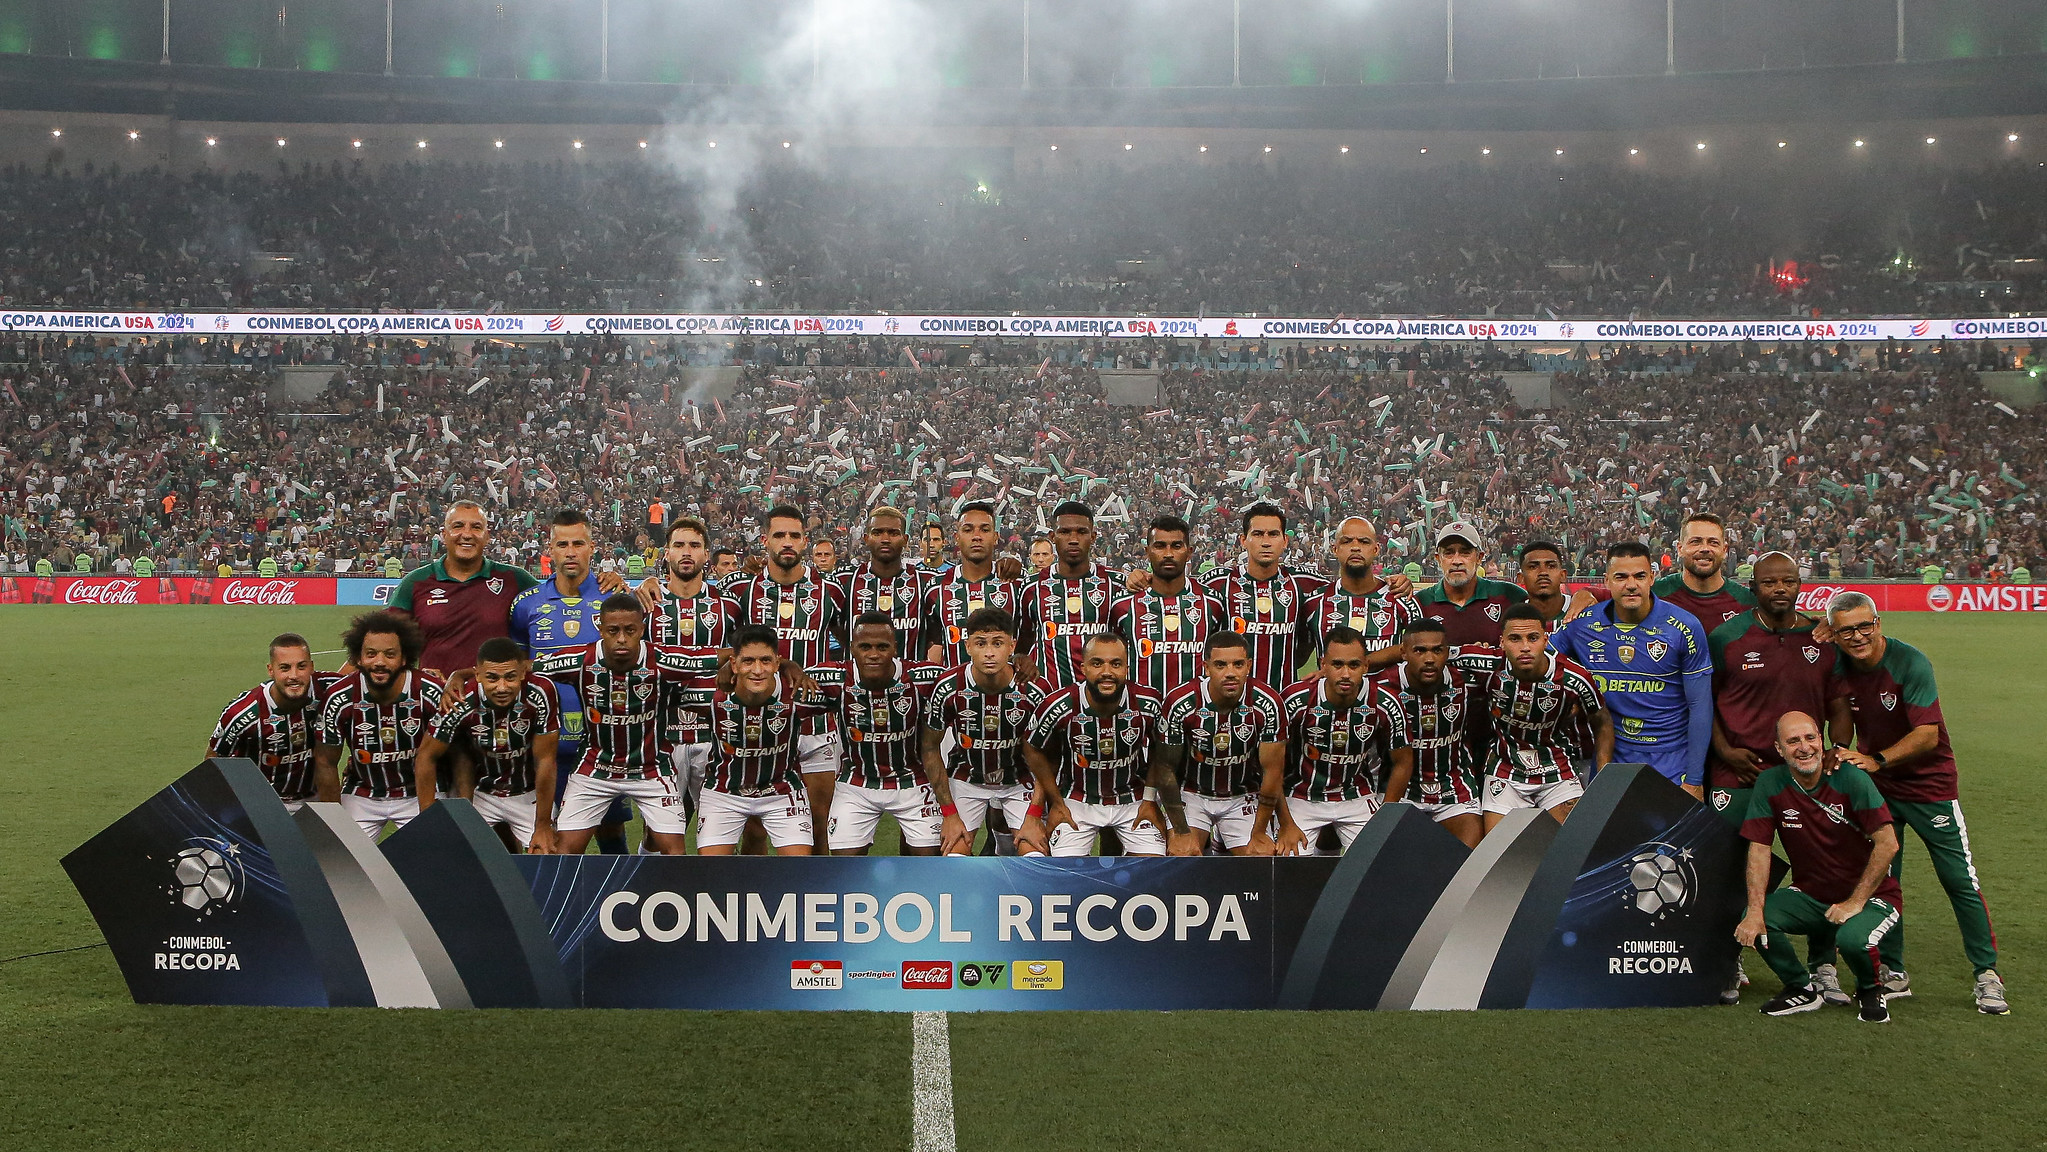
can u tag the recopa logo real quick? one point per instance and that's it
(1661, 879)
(207, 875)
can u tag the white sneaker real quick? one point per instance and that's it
(1896, 984)
(1828, 978)
(1990, 994)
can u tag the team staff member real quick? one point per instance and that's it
(1220, 763)
(275, 725)
(464, 597)
(1653, 669)
(1901, 740)
(1835, 828)
(1470, 606)
(512, 720)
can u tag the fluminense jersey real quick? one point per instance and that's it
(694, 622)
(1477, 620)
(623, 711)
(1222, 743)
(381, 739)
(1541, 727)
(1451, 730)
(1642, 670)
(754, 751)
(881, 730)
(1167, 634)
(503, 737)
(1759, 674)
(806, 615)
(1270, 614)
(1889, 701)
(1712, 609)
(1825, 831)
(949, 598)
(1097, 759)
(1378, 615)
(1340, 753)
(901, 596)
(988, 727)
(1058, 617)
(279, 743)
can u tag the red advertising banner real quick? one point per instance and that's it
(1813, 598)
(167, 590)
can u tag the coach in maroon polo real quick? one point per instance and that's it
(463, 598)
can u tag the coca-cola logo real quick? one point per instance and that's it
(1816, 597)
(927, 974)
(103, 592)
(259, 592)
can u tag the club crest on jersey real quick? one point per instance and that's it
(1492, 612)
(1016, 715)
(809, 605)
(1657, 649)
(643, 690)
(778, 723)
(1890, 701)
(999, 598)
(1284, 597)
(1812, 654)
(1452, 711)
(496, 584)
(1244, 731)
(1380, 620)
(1095, 597)
(410, 726)
(1547, 703)
(522, 726)
(903, 705)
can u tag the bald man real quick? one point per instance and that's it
(1360, 600)
(1839, 835)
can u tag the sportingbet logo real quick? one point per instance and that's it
(258, 592)
(927, 974)
(103, 592)
(817, 975)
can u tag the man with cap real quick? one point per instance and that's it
(1468, 604)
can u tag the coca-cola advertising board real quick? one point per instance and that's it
(123, 590)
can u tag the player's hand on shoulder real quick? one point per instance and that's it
(1008, 567)
(1137, 579)
(649, 592)
(1398, 585)
(610, 582)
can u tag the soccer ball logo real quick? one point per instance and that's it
(1660, 879)
(207, 875)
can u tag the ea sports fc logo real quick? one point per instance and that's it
(207, 875)
(1661, 879)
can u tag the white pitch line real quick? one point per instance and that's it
(931, 1084)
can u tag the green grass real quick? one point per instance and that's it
(99, 707)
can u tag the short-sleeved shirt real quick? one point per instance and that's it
(1825, 831)
(1378, 615)
(1272, 615)
(1098, 758)
(949, 598)
(1477, 620)
(1058, 615)
(1222, 744)
(544, 620)
(988, 727)
(624, 712)
(1450, 729)
(503, 737)
(1336, 752)
(881, 730)
(754, 751)
(1713, 608)
(1890, 700)
(693, 622)
(381, 739)
(1641, 670)
(861, 589)
(1759, 674)
(1542, 727)
(459, 615)
(1167, 634)
(280, 743)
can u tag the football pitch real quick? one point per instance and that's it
(100, 707)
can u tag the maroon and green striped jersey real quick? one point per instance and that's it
(755, 753)
(381, 739)
(623, 712)
(860, 590)
(1336, 752)
(881, 730)
(1826, 832)
(1378, 615)
(502, 738)
(1759, 674)
(1059, 614)
(688, 622)
(988, 726)
(1222, 744)
(1543, 727)
(1167, 634)
(806, 615)
(1890, 700)
(949, 598)
(1272, 615)
(1098, 758)
(279, 742)
(1451, 729)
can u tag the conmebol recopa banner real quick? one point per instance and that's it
(937, 326)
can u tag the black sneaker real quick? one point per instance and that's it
(1792, 1001)
(1871, 1003)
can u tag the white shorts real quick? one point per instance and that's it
(690, 760)
(1230, 820)
(1442, 810)
(371, 815)
(721, 817)
(1138, 839)
(514, 812)
(973, 801)
(587, 797)
(819, 753)
(1347, 816)
(1503, 796)
(857, 811)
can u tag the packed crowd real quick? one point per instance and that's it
(1451, 241)
(1877, 471)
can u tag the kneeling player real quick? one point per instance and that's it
(275, 725)
(1220, 764)
(1541, 703)
(1448, 722)
(986, 708)
(1838, 833)
(380, 715)
(880, 702)
(1087, 755)
(755, 768)
(1347, 745)
(512, 720)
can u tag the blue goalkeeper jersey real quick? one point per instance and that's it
(1657, 681)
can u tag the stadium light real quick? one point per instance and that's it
(1485, 151)
(575, 143)
(211, 141)
(1345, 149)
(56, 131)
(643, 143)
(1560, 151)
(1425, 151)
(714, 143)
(1634, 151)
(1268, 147)
(1128, 147)
(422, 143)
(133, 135)
(1858, 143)
(1055, 147)
(280, 141)
(1204, 147)
(2011, 137)
(355, 143)
(1931, 140)
(1700, 146)
(785, 143)
(1780, 143)
(497, 143)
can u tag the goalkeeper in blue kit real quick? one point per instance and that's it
(1653, 668)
